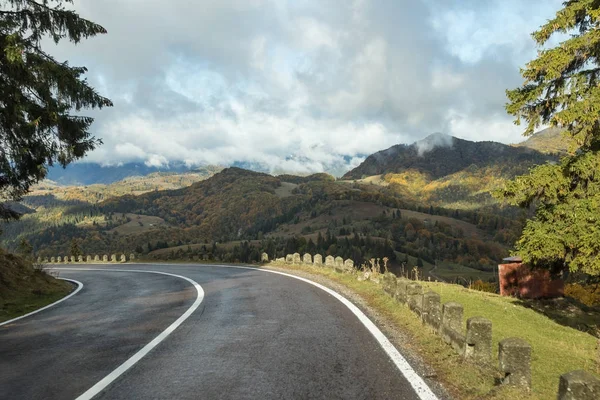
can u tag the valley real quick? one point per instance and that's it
(428, 207)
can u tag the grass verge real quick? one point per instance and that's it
(24, 289)
(556, 349)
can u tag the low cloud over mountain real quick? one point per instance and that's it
(300, 86)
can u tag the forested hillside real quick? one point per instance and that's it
(440, 155)
(429, 205)
(448, 172)
(237, 214)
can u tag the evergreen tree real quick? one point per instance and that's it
(75, 250)
(39, 93)
(562, 89)
(25, 249)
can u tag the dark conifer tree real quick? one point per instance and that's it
(39, 94)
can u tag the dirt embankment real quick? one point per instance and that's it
(25, 287)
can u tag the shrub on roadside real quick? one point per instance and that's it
(587, 294)
(484, 286)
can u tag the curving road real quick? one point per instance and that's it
(254, 335)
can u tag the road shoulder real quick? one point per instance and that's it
(400, 338)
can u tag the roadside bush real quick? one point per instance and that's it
(587, 294)
(484, 286)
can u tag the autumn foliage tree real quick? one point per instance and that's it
(40, 97)
(562, 89)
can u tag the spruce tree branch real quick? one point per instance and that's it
(44, 6)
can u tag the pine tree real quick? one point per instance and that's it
(25, 249)
(39, 93)
(562, 89)
(75, 250)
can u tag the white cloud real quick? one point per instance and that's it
(156, 160)
(300, 86)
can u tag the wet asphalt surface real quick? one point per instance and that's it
(256, 335)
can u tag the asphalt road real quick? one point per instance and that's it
(255, 335)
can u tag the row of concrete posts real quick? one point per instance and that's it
(338, 263)
(475, 342)
(114, 258)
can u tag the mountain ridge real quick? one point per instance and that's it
(440, 155)
(83, 173)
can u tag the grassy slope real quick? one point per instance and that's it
(24, 289)
(550, 341)
(556, 349)
(549, 140)
(451, 271)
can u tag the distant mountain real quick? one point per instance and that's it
(547, 141)
(236, 214)
(231, 201)
(91, 173)
(440, 155)
(94, 193)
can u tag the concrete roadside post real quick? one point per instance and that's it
(514, 356)
(349, 266)
(401, 285)
(432, 314)
(578, 385)
(339, 263)
(479, 340)
(414, 297)
(329, 261)
(451, 328)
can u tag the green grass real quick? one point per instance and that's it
(556, 349)
(25, 303)
(139, 224)
(449, 271)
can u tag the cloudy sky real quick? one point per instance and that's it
(300, 85)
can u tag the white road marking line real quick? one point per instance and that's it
(417, 383)
(110, 378)
(79, 287)
(420, 387)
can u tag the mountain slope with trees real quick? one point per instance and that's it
(441, 155)
(444, 171)
(236, 214)
(250, 211)
(549, 141)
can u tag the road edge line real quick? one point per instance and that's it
(131, 361)
(73, 293)
(417, 383)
